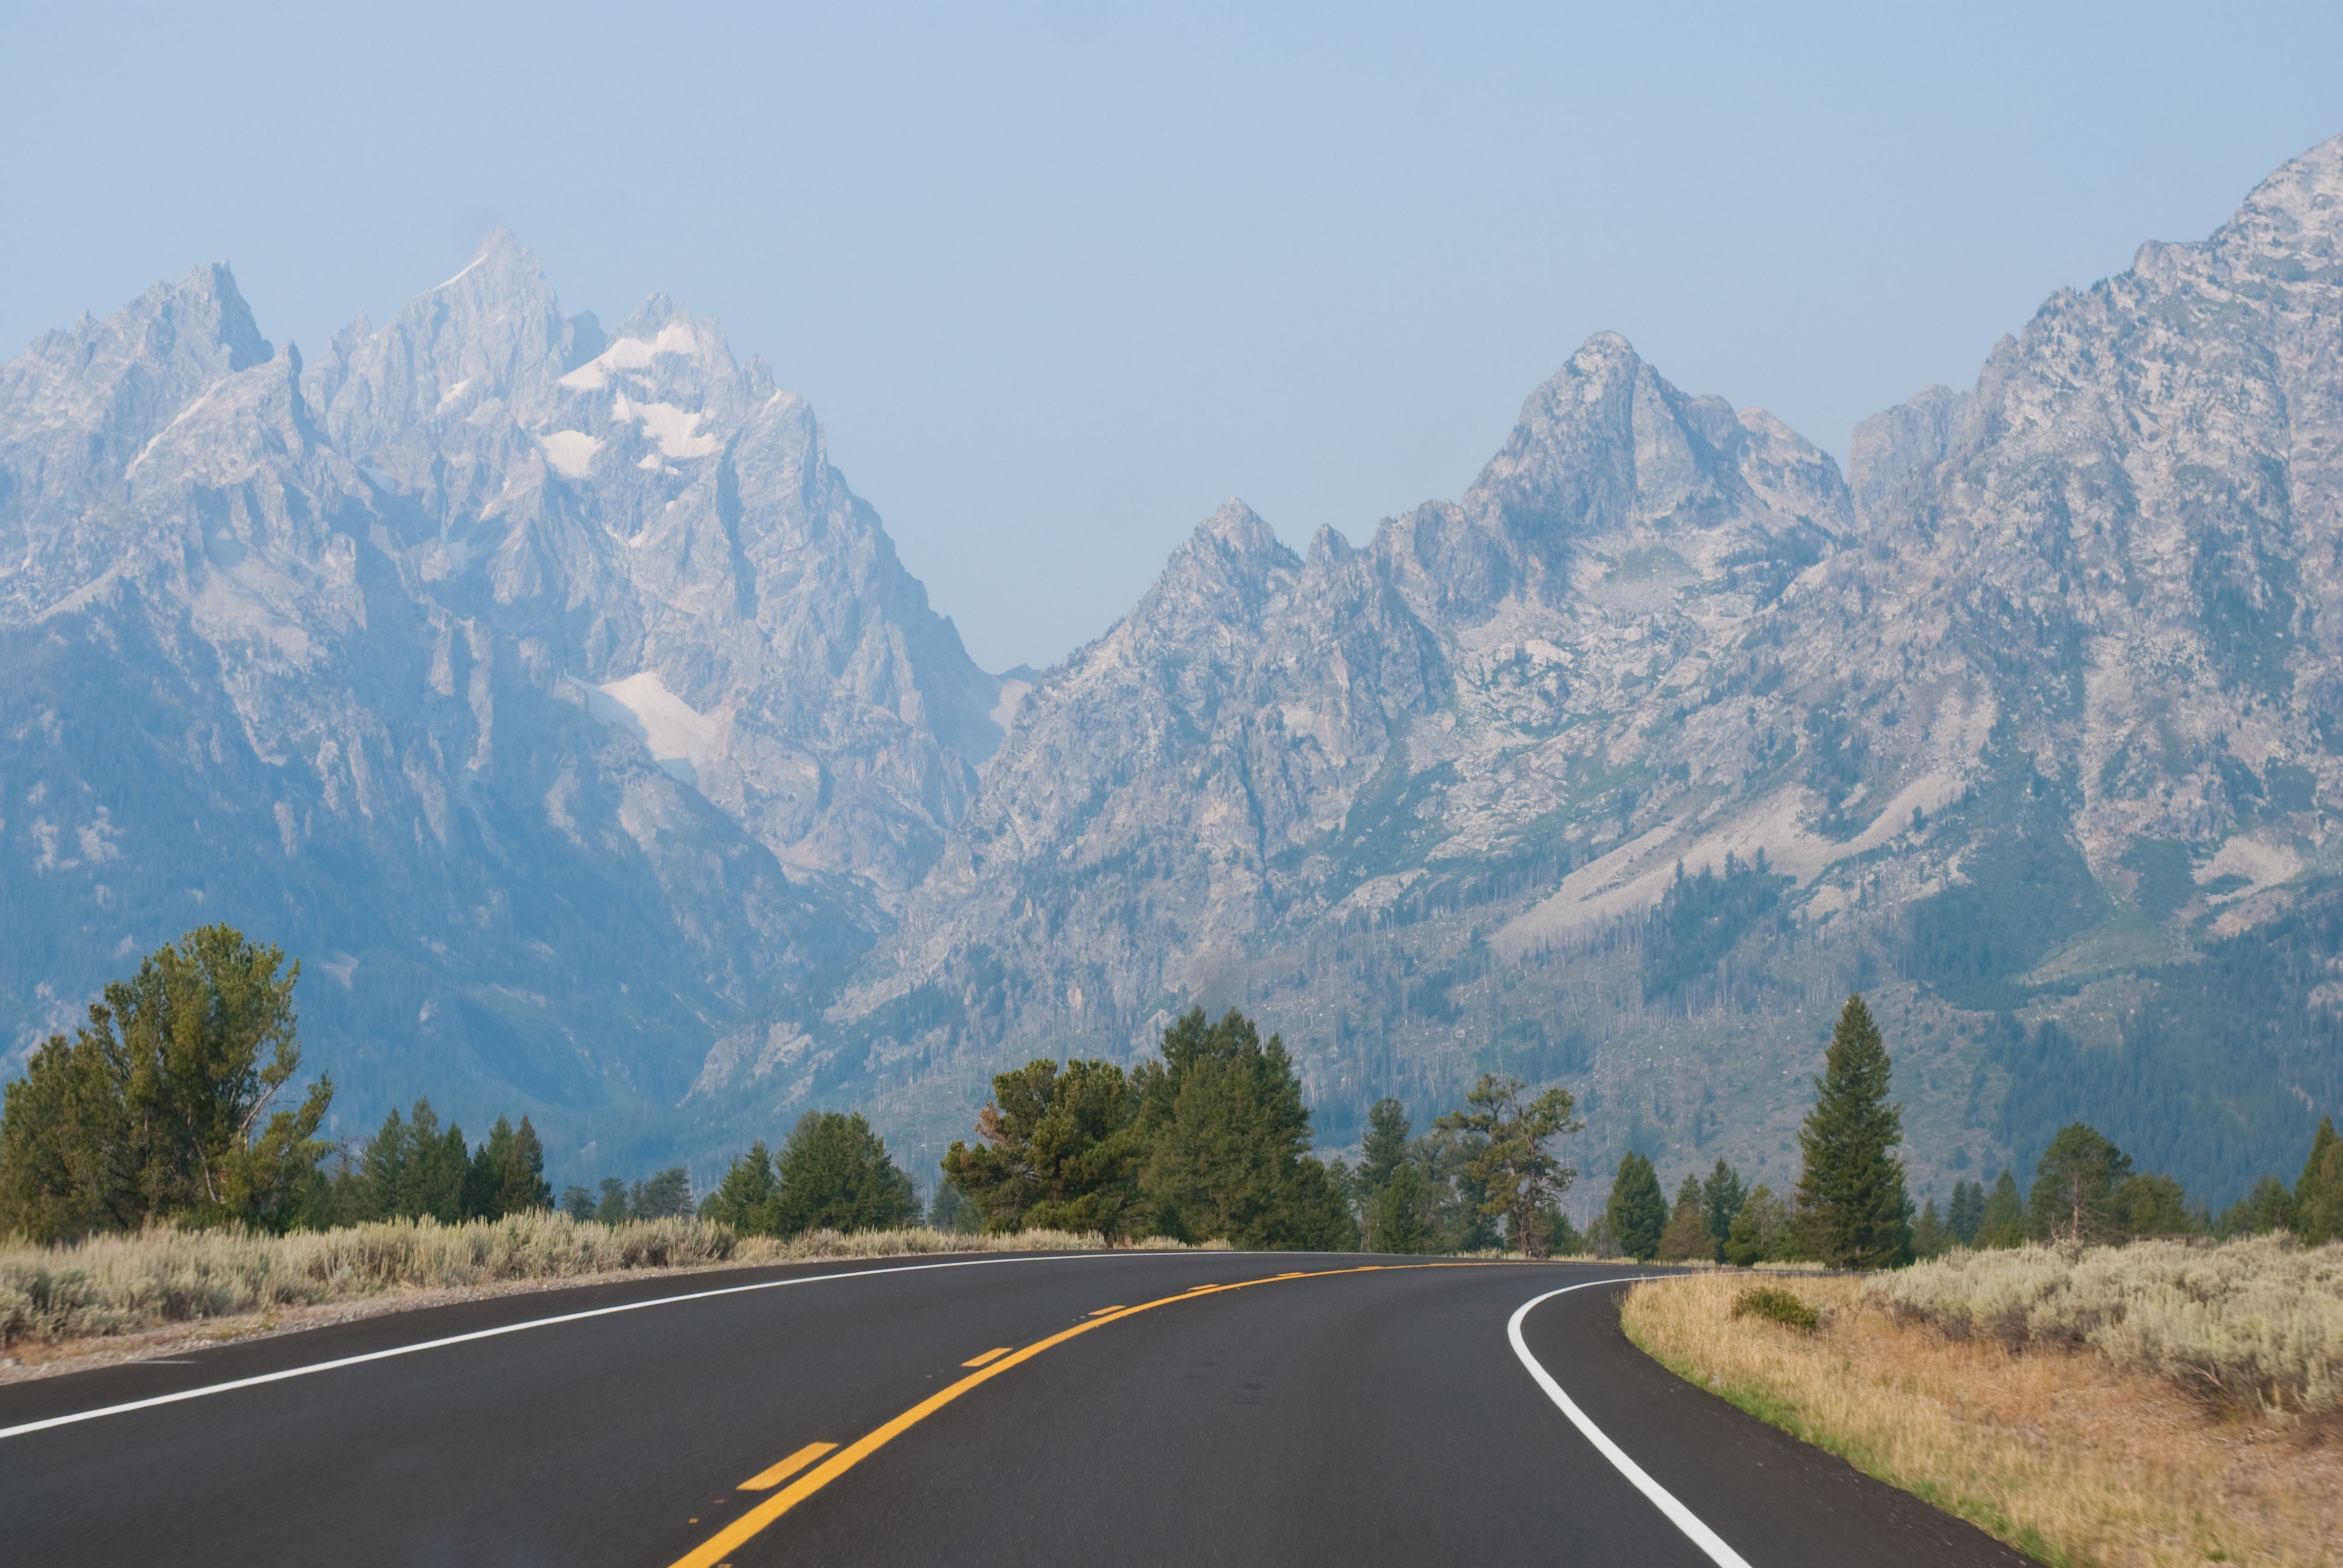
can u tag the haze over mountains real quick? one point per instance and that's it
(548, 692)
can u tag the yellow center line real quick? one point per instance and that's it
(987, 1356)
(710, 1552)
(1104, 1311)
(764, 1480)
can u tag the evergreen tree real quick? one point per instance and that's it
(1383, 1149)
(161, 1106)
(2001, 1223)
(1967, 1212)
(1057, 1147)
(2071, 1201)
(1723, 1194)
(835, 1175)
(1459, 1221)
(951, 1212)
(1519, 1177)
(2152, 1205)
(1563, 1239)
(2318, 1195)
(1600, 1242)
(663, 1195)
(508, 1175)
(1930, 1239)
(2269, 1207)
(1687, 1237)
(612, 1209)
(744, 1199)
(436, 1165)
(577, 1202)
(381, 1182)
(1227, 1137)
(1636, 1212)
(1396, 1223)
(1760, 1232)
(1851, 1197)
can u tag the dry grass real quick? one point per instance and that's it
(115, 1285)
(2057, 1450)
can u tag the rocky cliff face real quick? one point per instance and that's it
(546, 688)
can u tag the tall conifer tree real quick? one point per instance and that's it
(1851, 1196)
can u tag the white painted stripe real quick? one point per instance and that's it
(32, 1426)
(1682, 1518)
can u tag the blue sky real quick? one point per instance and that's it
(1059, 277)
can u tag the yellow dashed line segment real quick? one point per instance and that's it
(710, 1552)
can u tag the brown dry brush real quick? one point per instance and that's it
(124, 1284)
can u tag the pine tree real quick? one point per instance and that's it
(1396, 1222)
(1228, 1139)
(2071, 1201)
(1518, 1176)
(1930, 1239)
(160, 1108)
(577, 1202)
(2269, 1207)
(612, 1209)
(2152, 1205)
(1760, 1233)
(744, 1199)
(1723, 1195)
(1967, 1212)
(1687, 1237)
(2001, 1223)
(835, 1175)
(1851, 1197)
(1636, 1212)
(2318, 1195)
(507, 1174)
(1383, 1149)
(435, 1167)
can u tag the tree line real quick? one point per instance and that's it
(164, 1107)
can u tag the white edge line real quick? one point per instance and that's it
(33, 1426)
(1682, 1518)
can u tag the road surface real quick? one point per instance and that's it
(1133, 1407)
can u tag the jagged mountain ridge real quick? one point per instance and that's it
(553, 697)
(548, 687)
(2030, 721)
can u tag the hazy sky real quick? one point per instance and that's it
(1060, 277)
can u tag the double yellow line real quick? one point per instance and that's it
(711, 1551)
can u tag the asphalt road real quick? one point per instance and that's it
(1348, 1415)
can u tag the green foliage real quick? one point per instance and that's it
(1761, 1233)
(951, 1212)
(834, 1175)
(1699, 919)
(507, 1174)
(1061, 1148)
(1776, 1305)
(662, 1195)
(2318, 1195)
(1227, 1143)
(2073, 1199)
(1930, 1236)
(1519, 1177)
(1636, 1214)
(1722, 1196)
(577, 1202)
(2001, 1221)
(1397, 1218)
(1384, 1147)
(744, 1199)
(612, 1208)
(155, 1109)
(1965, 1212)
(1851, 1198)
(1687, 1238)
(2267, 1207)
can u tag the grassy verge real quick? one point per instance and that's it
(2055, 1448)
(119, 1285)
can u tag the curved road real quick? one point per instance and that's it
(1355, 1411)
